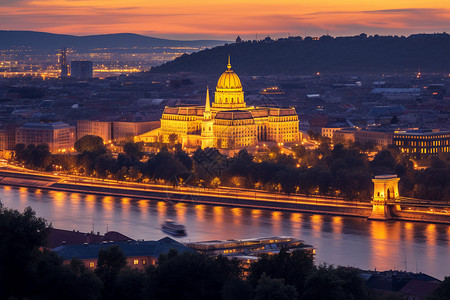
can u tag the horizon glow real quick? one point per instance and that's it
(201, 19)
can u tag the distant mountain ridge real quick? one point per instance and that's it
(295, 55)
(44, 40)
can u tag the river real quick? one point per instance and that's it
(347, 241)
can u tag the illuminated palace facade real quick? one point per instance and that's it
(227, 123)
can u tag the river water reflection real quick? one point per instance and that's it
(344, 241)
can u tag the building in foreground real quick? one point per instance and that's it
(139, 254)
(59, 237)
(248, 251)
(407, 285)
(255, 246)
(226, 123)
(59, 136)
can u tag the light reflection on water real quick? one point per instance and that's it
(339, 240)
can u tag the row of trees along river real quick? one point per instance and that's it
(340, 171)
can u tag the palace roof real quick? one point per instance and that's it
(234, 115)
(185, 110)
(281, 112)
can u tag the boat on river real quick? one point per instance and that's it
(173, 228)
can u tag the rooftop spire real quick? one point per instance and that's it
(229, 64)
(207, 105)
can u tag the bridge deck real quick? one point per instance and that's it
(413, 202)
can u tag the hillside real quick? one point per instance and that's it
(295, 55)
(43, 40)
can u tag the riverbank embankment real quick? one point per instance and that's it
(328, 206)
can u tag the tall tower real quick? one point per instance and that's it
(385, 190)
(207, 124)
(63, 62)
(229, 94)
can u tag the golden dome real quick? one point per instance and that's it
(229, 79)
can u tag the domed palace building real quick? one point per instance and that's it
(227, 123)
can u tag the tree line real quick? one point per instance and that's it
(30, 271)
(360, 53)
(343, 171)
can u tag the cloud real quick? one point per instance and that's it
(170, 19)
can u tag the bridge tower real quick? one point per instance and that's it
(385, 189)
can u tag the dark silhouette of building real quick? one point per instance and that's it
(238, 40)
(63, 62)
(139, 254)
(81, 69)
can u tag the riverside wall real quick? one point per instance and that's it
(170, 195)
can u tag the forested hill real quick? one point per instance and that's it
(294, 55)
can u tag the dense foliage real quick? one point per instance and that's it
(443, 291)
(343, 171)
(29, 271)
(360, 53)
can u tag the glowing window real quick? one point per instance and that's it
(136, 261)
(91, 265)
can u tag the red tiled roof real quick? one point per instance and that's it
(419, 288)
(58, 237)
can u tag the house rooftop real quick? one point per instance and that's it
(129, 248)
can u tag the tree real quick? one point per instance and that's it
(324, 284)
(383, 162)
(354, 286)
(91, 143)
(20, 153)
(28, 270)
(110, 262)
(133, 150)
(130, 284)
(173, 138)
(327, 282)
(184, 158)
(237, 289)
(443, 290)
(294, 268)
(274, 289)
(105, 164)
(215, 183)
(299, 151)
(57, 281)
(164, 166)
(22, 234)
(191, 276)
(88, 285)
(41, 158)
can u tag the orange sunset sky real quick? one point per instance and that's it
(195, 19)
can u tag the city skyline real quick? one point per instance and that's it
(202, 20)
